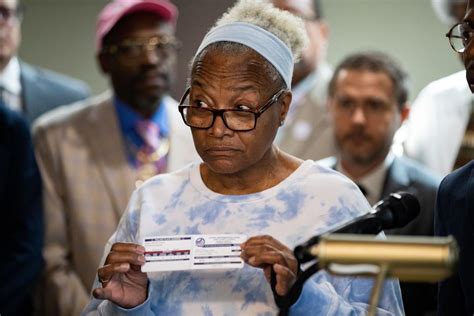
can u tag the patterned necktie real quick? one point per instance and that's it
(150, 134)
(466, 151)
(151, 158)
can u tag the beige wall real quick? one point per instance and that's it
(58, 34)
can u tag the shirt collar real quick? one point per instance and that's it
(129, 118)
(374, 181)
(10, 77)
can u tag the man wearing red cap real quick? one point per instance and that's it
(93, 155)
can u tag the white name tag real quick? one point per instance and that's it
(192, 252)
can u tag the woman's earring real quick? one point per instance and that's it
(281, 122)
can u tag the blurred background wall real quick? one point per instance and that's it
(59, 34)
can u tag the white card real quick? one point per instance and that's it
(192, 252)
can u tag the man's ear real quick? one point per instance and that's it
(405, 112)
(285, 105)
(104, 62)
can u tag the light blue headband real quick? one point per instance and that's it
(263, 42)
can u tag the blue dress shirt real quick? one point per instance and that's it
(128, 120)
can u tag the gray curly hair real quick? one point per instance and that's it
(286, 26)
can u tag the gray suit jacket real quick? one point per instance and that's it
(43, 90)
(407, 175)
(87, 183)
(410, 176)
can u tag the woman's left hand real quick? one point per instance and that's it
(266, 252)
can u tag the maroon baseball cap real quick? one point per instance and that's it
(117, 9)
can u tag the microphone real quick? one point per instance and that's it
(395, 211)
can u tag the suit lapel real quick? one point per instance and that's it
(108, 150)
(397, 179)
(29, 91)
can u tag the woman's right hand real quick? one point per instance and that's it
(123, 282)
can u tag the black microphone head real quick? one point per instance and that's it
(405, 208)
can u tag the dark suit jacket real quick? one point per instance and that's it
(410, 176)
(407, 175)
(21, 225)
(43, 90)
(455, 216)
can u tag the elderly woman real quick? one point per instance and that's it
(239, 95)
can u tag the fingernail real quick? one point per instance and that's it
(140, 250)
(252, 260)
(124, 266)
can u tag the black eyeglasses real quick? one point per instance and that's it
(460, 36)
(238, 120)
(163, 46)
(9, 14)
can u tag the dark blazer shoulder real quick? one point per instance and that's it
(418, 173)
(407, 175)
(458, 178)
(455, 201)
(50, 77)
(43, 90)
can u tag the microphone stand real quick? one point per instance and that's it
(285, 302)
(377, 289)
(408, 258)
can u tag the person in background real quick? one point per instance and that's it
(21, 226)
(367, 103)
(239, 93)
(440, 128)
(455, 203)
(28, 89)
(307, 132)
(92, 155)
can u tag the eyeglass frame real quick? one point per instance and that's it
(148, 44)
(260, 110)
(449, 35)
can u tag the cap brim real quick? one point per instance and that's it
(164, 10)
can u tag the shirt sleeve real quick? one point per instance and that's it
(324, 294)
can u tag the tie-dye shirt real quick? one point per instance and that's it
(312, 200)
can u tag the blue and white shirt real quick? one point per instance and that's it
(312, 200)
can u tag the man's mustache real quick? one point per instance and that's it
(357, 134)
